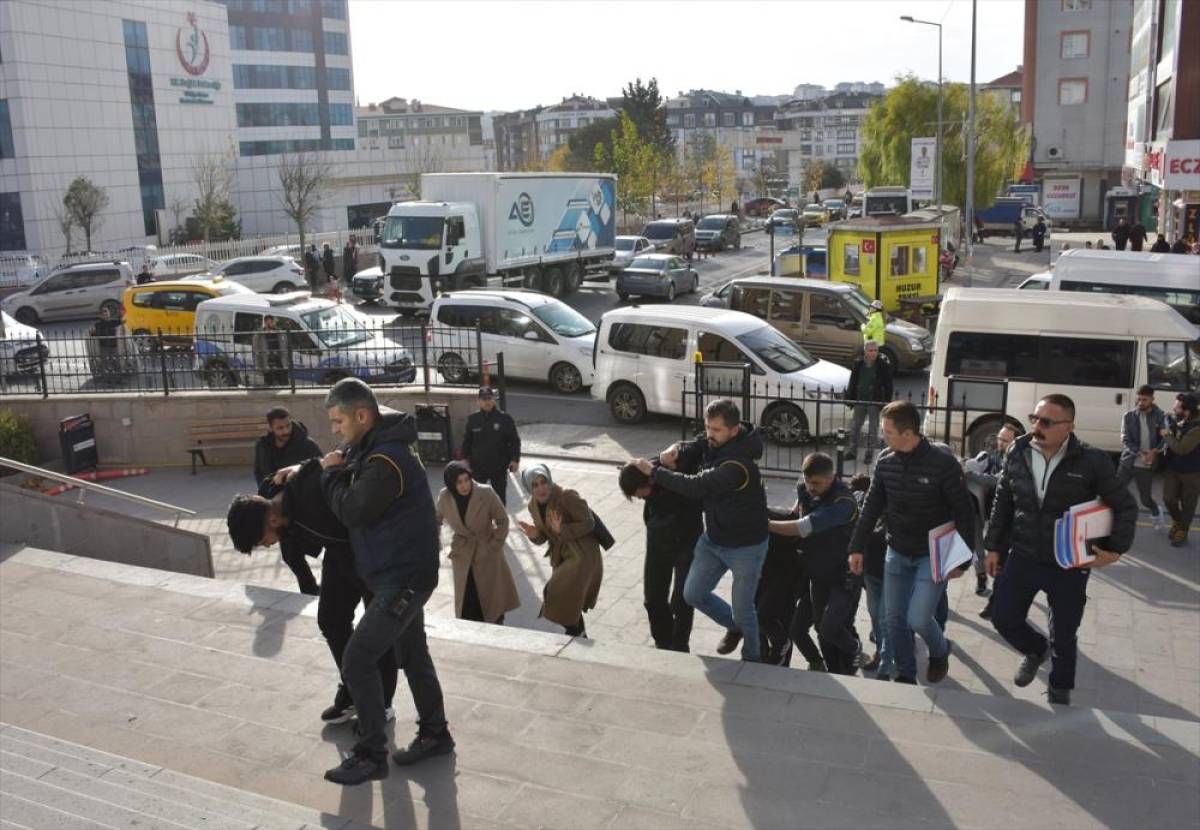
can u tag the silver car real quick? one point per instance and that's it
(657, 275)
(76, 292)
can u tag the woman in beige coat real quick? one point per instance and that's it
(484, 589)
(562, 518)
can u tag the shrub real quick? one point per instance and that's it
(16, 439)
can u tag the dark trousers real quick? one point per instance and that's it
(802, 620)
(663, 577)
(834, 605)
(497, 479)
(1066, 593)
(383, 628)
(296, 558)
(341, 591)
(1143, 479)
(782, 575)
(472, 606)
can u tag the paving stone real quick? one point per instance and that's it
(29, 815)
(538, 807)
(73, 802)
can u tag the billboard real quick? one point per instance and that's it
(921, 165)
(1061, 198)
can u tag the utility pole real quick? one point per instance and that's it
(971, 158)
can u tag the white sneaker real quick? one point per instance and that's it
(1159, 524)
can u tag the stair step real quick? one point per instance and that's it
(76, 757)
(77, 805)
(19, 812)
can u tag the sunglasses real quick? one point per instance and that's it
(1046, 423)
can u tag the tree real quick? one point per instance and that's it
(560, 160)
(214, 182)
(583, 142)
(633, 160)
(84, 202)
(66, 224)
(700, 163)
(424, 158)
(722, 175)
(304, 180)
(644, 105)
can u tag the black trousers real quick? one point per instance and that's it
(497, 479)
(296, 558)
(802, 621)
(340, 594)
(834, 605)
(663, 577)
(1066, 593)
(781, 579)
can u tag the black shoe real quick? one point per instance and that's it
(729, 642)
(986, 613)
(357, 769)
(817, 665)
(424, 746)
(911, 681)
(886, 678)
(342, 709)
(939, 667)
(1029, 668)
(1062, 697)
(981, 588)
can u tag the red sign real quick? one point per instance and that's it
(868, 246)
(195, 61)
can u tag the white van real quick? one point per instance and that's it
(327, 341)
(1001, 351)
(645, 355)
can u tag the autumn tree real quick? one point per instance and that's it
(213, 208)
(634, 161)
(583, 143)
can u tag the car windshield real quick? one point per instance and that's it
(812, 208)
(625, 243)
(665, 231)
(711, 223)
(858, 303)
(422, 233)
(775, 350)
(564, 320)
(336, 326)
(648, 264)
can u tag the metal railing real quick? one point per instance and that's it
(85, 486)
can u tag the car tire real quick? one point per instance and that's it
(573, 278)
(786, 425)
(146, 342)
(27, 316)
(565, 378)
(695, 283)
(671, 291)
(552, 281)
(114, 307)
(218, 375)
(981, 435)
(283, 287)
(627, 403)
(622, 296)
(893, 358)
(453, 368)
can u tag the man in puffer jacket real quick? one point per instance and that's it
(1047, 471)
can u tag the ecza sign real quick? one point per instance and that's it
(1178, 166)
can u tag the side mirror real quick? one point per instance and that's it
(530, 334)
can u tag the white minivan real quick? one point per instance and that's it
(645, 356)
(998, 352)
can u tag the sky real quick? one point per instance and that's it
(515, 54)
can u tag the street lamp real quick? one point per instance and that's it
(937, 185)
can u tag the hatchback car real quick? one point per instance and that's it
(265, 274)
(718, 232)
(671, 236)
(835, 207)
(657, 275)
(74, 292)
(627, 248)
(763, 206)
(164, 313)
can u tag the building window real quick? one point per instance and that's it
(335, 9)
(336, 78)
(748, 159)
(1074, 45)
(300, 40)
(303, 145)
(239, 37)
(343, 144)
(747, 119)
(1072, 91)
(145, 122)
(280, 115)
(1076, 5)
(710, 119)
(672, 120)
(7, 151)
(336, 43)
(12, 223)
(846, 149)
(341, 115)
(844, 133)
(689, 120)
(727, 119)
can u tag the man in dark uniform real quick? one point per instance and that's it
(492, 446)
(286, 443)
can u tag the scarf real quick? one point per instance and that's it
(453, 470)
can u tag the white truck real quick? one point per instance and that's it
(530, 230)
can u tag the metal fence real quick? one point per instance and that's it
(284, 357)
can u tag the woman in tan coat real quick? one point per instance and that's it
(562, 518)
(484, 589)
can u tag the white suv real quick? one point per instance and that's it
(72, 292)
(541, 338)
(264, 274)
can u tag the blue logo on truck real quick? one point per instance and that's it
(522, 210)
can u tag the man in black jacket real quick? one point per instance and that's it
(491, 445)
(379, 491)
(869, 389)
(286, 443)
(735, 519)
(1048, 470)
(918, 487)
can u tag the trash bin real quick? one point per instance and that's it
(433, 432)
(77, 438)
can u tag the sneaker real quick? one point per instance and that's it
(986, 613)
(358, 769)
(817, 665)
(911, 681)
(342, 709)
(1157, 519)
(939, 667)
(729, 642)
(424, 746)
(1178, 536)
(1061, 697)
(1029, 667)
(981, 588)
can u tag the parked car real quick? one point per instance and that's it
(657, 275)
(276, 274)
(138, 255)
(294, 251)
(367, 284)
(164, 313)
(835, 207)
(718, 231)
(627, 248)
(75, 292)
(20, 269)
(785, 222)
(21, 347)
(762, 206)
(814, 214)
(854, 210)
(671, 236)
(543, 339)
(181, 265)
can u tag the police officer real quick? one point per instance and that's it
(492, 447)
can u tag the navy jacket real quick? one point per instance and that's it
(1131, 433)
(832, 516)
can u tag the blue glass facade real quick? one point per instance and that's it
(7, 150)
(145, 125)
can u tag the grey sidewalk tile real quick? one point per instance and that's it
(73, 802)
(538, 807)
(560, 734)
(40, 558)
(586, 776)
(658, 790)
(640, 818)
(12, 759)
(34, 816)
(503, 636)
(88, 757)
(649, 716)
(634, 658)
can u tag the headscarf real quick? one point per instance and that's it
(453, 470)
(530, 474)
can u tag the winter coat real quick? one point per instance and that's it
(575, 562)
(490, 441)
(831, 518)
(881, 390)
(327, 262)
(478, 546)
(875, 329)
(1131, 433)
(1183, 446)
(269, 458)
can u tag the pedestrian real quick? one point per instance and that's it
(484, 588)
(312, 267)
(875, 328)
(1101, 245)
(735, 519)
(847, 197)
(881, 661)
(917, 487)
(783, 601)
(869, 389)
(286, 443)
(492, 445)
(1048, 470)
(291, 509)
(1180, 246)
(1181, 464)
(816, 197)
(350, 259)
(144, 276)
(1141, 429)
(1161, 245)
(673, 525)
(1039, 235)
(733, 208)
(270, 353)
(1120, 234)
(978, 229)
(983, 475)
(327, 262)
(563, 520)
(828, 511)
(378, 489)
(1137, 236)
(1018, 232)
(1066, 246)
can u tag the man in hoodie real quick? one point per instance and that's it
(735, 519)
(285, 443)
(378, 489)
(1140, 430)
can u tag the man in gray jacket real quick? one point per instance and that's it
(1139, 436)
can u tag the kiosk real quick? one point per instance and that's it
(893, 259)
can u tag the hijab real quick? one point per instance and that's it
(530, 474)
(453, 470)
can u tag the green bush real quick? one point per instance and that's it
(16, 439)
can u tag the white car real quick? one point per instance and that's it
(628, 247)
(181, 265)
(264, 274)
(293, 251)
(71, 292)
(20, 346)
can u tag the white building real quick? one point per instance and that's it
(558, 122)
(826, 129)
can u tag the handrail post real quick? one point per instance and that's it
(162, 365)
(42, 367)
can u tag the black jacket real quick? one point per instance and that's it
(915, 491)
(311, 523)
(881, 389)
(728, 484)
(832, 518)
(327, 260)
(491, 442)
(1020, 526)
(268, 458)
(671, 519)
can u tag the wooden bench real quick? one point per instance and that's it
(223, 433)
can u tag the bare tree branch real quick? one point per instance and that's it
(304, 181)
(66, 223)
(424, 158)
(214, 183)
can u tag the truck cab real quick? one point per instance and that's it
(426, 248)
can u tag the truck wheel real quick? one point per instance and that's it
(552, 281)
(453, 368)
(573, 279)
(533, 278)
(565, 378)
(627, 404)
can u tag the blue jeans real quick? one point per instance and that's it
(709, 564)
(911, 600)
(875, 607)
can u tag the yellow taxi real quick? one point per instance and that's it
(163, 313)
